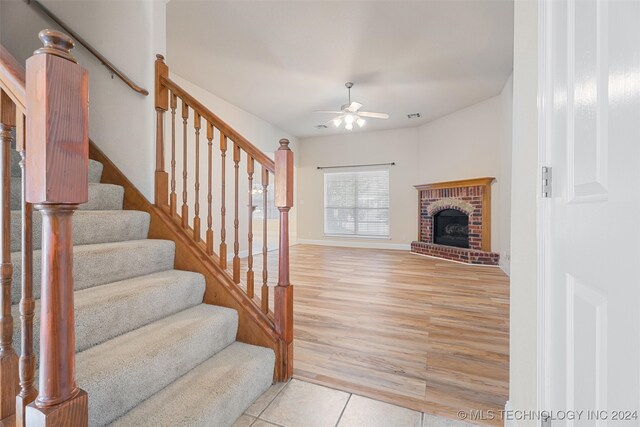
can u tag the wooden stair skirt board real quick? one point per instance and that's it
(254, 327)
(472, 197)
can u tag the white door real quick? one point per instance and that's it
(590, 127)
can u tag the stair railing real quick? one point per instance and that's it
(53, 143)
(198, 122)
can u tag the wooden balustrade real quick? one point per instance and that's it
(239, 149)
(61, 169)
(12, 119)
(8, 356)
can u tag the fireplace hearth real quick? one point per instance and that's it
(455, 221)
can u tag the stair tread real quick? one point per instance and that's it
(107, 311)
(101, 263)
(95, 167)
(215, 393)
(101, 196)
(124, 371)
(89, 227)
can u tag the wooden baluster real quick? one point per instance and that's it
(185, 208)
(236, 222)
(223, 209)
(8, 356)
(57, 153)
(196, 206)
(250, 273)
(173, 203)
(162, 105)
(28, 391)
(209, 179)
(265, 274)
(283, 295)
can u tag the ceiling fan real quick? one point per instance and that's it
(350, 113)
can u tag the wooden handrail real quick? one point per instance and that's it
(91, 49)
(12, 78)
(220, 124)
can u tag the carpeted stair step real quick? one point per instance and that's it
(123, 372)
(215, 393)
(101, 196)
(107, 311)
(89, 227)
(95, 168)
(102, 263)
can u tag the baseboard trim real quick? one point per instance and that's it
(509, 421)
(505, 266)
(366, 245)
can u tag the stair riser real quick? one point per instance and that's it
(101, 197)
(105, 312)
(89, 227)
(95, 265)
(123, 372)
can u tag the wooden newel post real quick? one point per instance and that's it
(57, 163)
(283, 295)
(162, 105)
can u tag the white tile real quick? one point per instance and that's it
(434, 421)
(244, 421)
(263, 423)
(263, 401)
(302, 404)
(365, 412)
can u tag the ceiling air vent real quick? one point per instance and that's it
(414, 116)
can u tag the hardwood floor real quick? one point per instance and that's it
(423, 333)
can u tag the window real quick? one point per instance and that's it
(356, 203)
(258, 203)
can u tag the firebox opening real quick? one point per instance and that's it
(451, 228)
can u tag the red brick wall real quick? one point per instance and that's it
(470, 195)
(464, 199)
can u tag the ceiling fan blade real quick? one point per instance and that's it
(331, 121)
(373, 115)
(354, 107)
(328, 112)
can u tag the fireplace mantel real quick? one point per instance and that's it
(470, 196)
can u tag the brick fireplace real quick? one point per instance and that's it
(455, 221)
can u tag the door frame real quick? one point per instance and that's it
(545, 120)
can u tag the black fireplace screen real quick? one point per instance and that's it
(451, 228)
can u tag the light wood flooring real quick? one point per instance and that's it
(423, 333)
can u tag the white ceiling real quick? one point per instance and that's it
(280, 60)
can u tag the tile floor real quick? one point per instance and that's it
(302, 404)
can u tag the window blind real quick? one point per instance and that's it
(357, 203)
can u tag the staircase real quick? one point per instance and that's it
(150, 344)
(149, 352)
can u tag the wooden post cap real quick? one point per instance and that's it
(284, 144)
(56, 43)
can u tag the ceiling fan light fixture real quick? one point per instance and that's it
(348, 126)
(337, 122)
(361, 121)
(349, 119)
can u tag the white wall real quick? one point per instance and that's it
(469, 143)
(399, 146)
(129, 34)
(524, 244)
